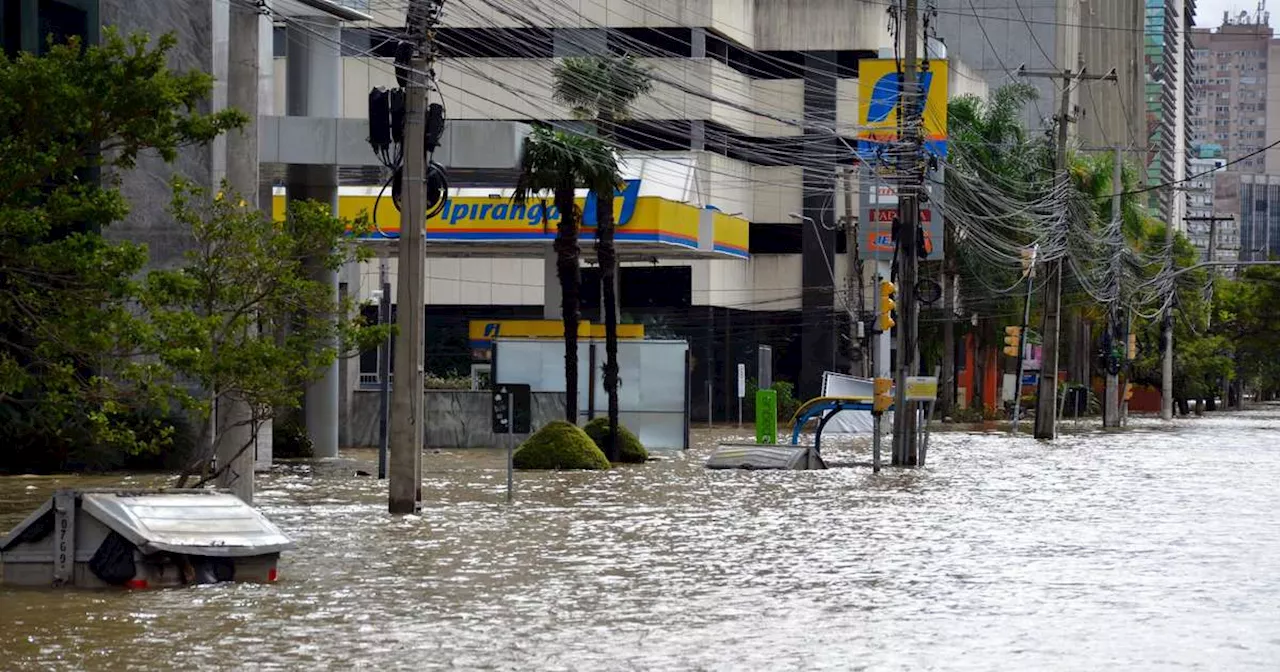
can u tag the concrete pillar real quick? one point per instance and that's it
(314, 88)
(550, 286)
(818, 242)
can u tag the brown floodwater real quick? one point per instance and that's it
(1152, 548)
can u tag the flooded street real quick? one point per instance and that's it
(1155, 548)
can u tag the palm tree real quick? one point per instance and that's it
(603, 90)
(560, 162)
(987, 140)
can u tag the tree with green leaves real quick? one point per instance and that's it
(76, 119)
(1244, 313)
(987, 141)
(560, 163)
(1202, 358)
(603, 89)
(214, 320)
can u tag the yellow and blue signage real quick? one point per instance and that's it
(495, 219)
(879, 97)
(482, 332)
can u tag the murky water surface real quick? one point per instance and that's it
(1147, 549)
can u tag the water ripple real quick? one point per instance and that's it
(1152, 548)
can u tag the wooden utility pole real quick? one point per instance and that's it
(407, 417)
(1047, 393)
(910, 108)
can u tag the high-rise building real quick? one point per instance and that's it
(996, 37)
(1230, 117)
(1170, 93)
(1233, 121)
(1222, 236)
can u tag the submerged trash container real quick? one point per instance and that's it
(764, 456)
(141, 539)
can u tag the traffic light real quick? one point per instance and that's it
(883, 399)
(884, 318)
(1013, 341)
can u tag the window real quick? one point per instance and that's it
(60, 18)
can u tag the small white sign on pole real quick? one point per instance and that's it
(742, 390)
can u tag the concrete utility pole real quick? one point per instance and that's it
(1111, 411)
(231, 417)
(407, 417)
(853, 280)
(910, 108)
(1047, 393)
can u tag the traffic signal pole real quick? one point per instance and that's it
(882, 396)
(1022, 344)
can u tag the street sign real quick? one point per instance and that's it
(742, 380)
(512, 412)
(1029, 379)
(921, 388)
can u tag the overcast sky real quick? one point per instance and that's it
(1209, 12)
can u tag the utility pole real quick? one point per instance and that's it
(1213, 220)
(232, 418)
(1111, 411)
(910, 108)
(407, 435)
(1047, 393)
(853, 280)
(384, 371)
(1022, 337)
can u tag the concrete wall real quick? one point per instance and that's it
(146, 187)
(455, 419)
(820, 25)
(1049, 36)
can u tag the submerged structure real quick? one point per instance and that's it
(141, 539)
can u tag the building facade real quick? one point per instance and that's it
(1233, 122)
(1221, 238)
(1170, 94)
(995, 39)
(751, 110)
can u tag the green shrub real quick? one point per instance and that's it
(559, 445)
(630, 450)
(289, 440)
(787, 402)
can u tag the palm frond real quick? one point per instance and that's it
(553, 159)
(596, 87)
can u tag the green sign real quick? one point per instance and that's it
(766, 417)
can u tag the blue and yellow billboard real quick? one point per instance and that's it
(879, 94)
(495, 219)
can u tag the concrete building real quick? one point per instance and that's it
(1235, 121)
(1232, 118)
(1221, 237)
(996, 38)
(1170, 94)
(746, 99)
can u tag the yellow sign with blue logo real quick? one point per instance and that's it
(879, 104)
(495, 219)
(482, 332)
